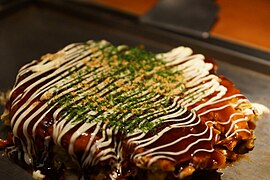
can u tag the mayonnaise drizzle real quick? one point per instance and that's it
(102, 144)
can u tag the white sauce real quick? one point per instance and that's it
(199, 82)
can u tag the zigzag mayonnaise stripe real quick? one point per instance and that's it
(181, 112)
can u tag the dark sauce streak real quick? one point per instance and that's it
(206, 175)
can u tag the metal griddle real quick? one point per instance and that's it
(33, 28)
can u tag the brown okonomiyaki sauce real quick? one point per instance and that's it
(104, 112)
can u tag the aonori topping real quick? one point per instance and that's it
(102, 111)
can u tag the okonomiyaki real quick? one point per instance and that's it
(97, 111)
